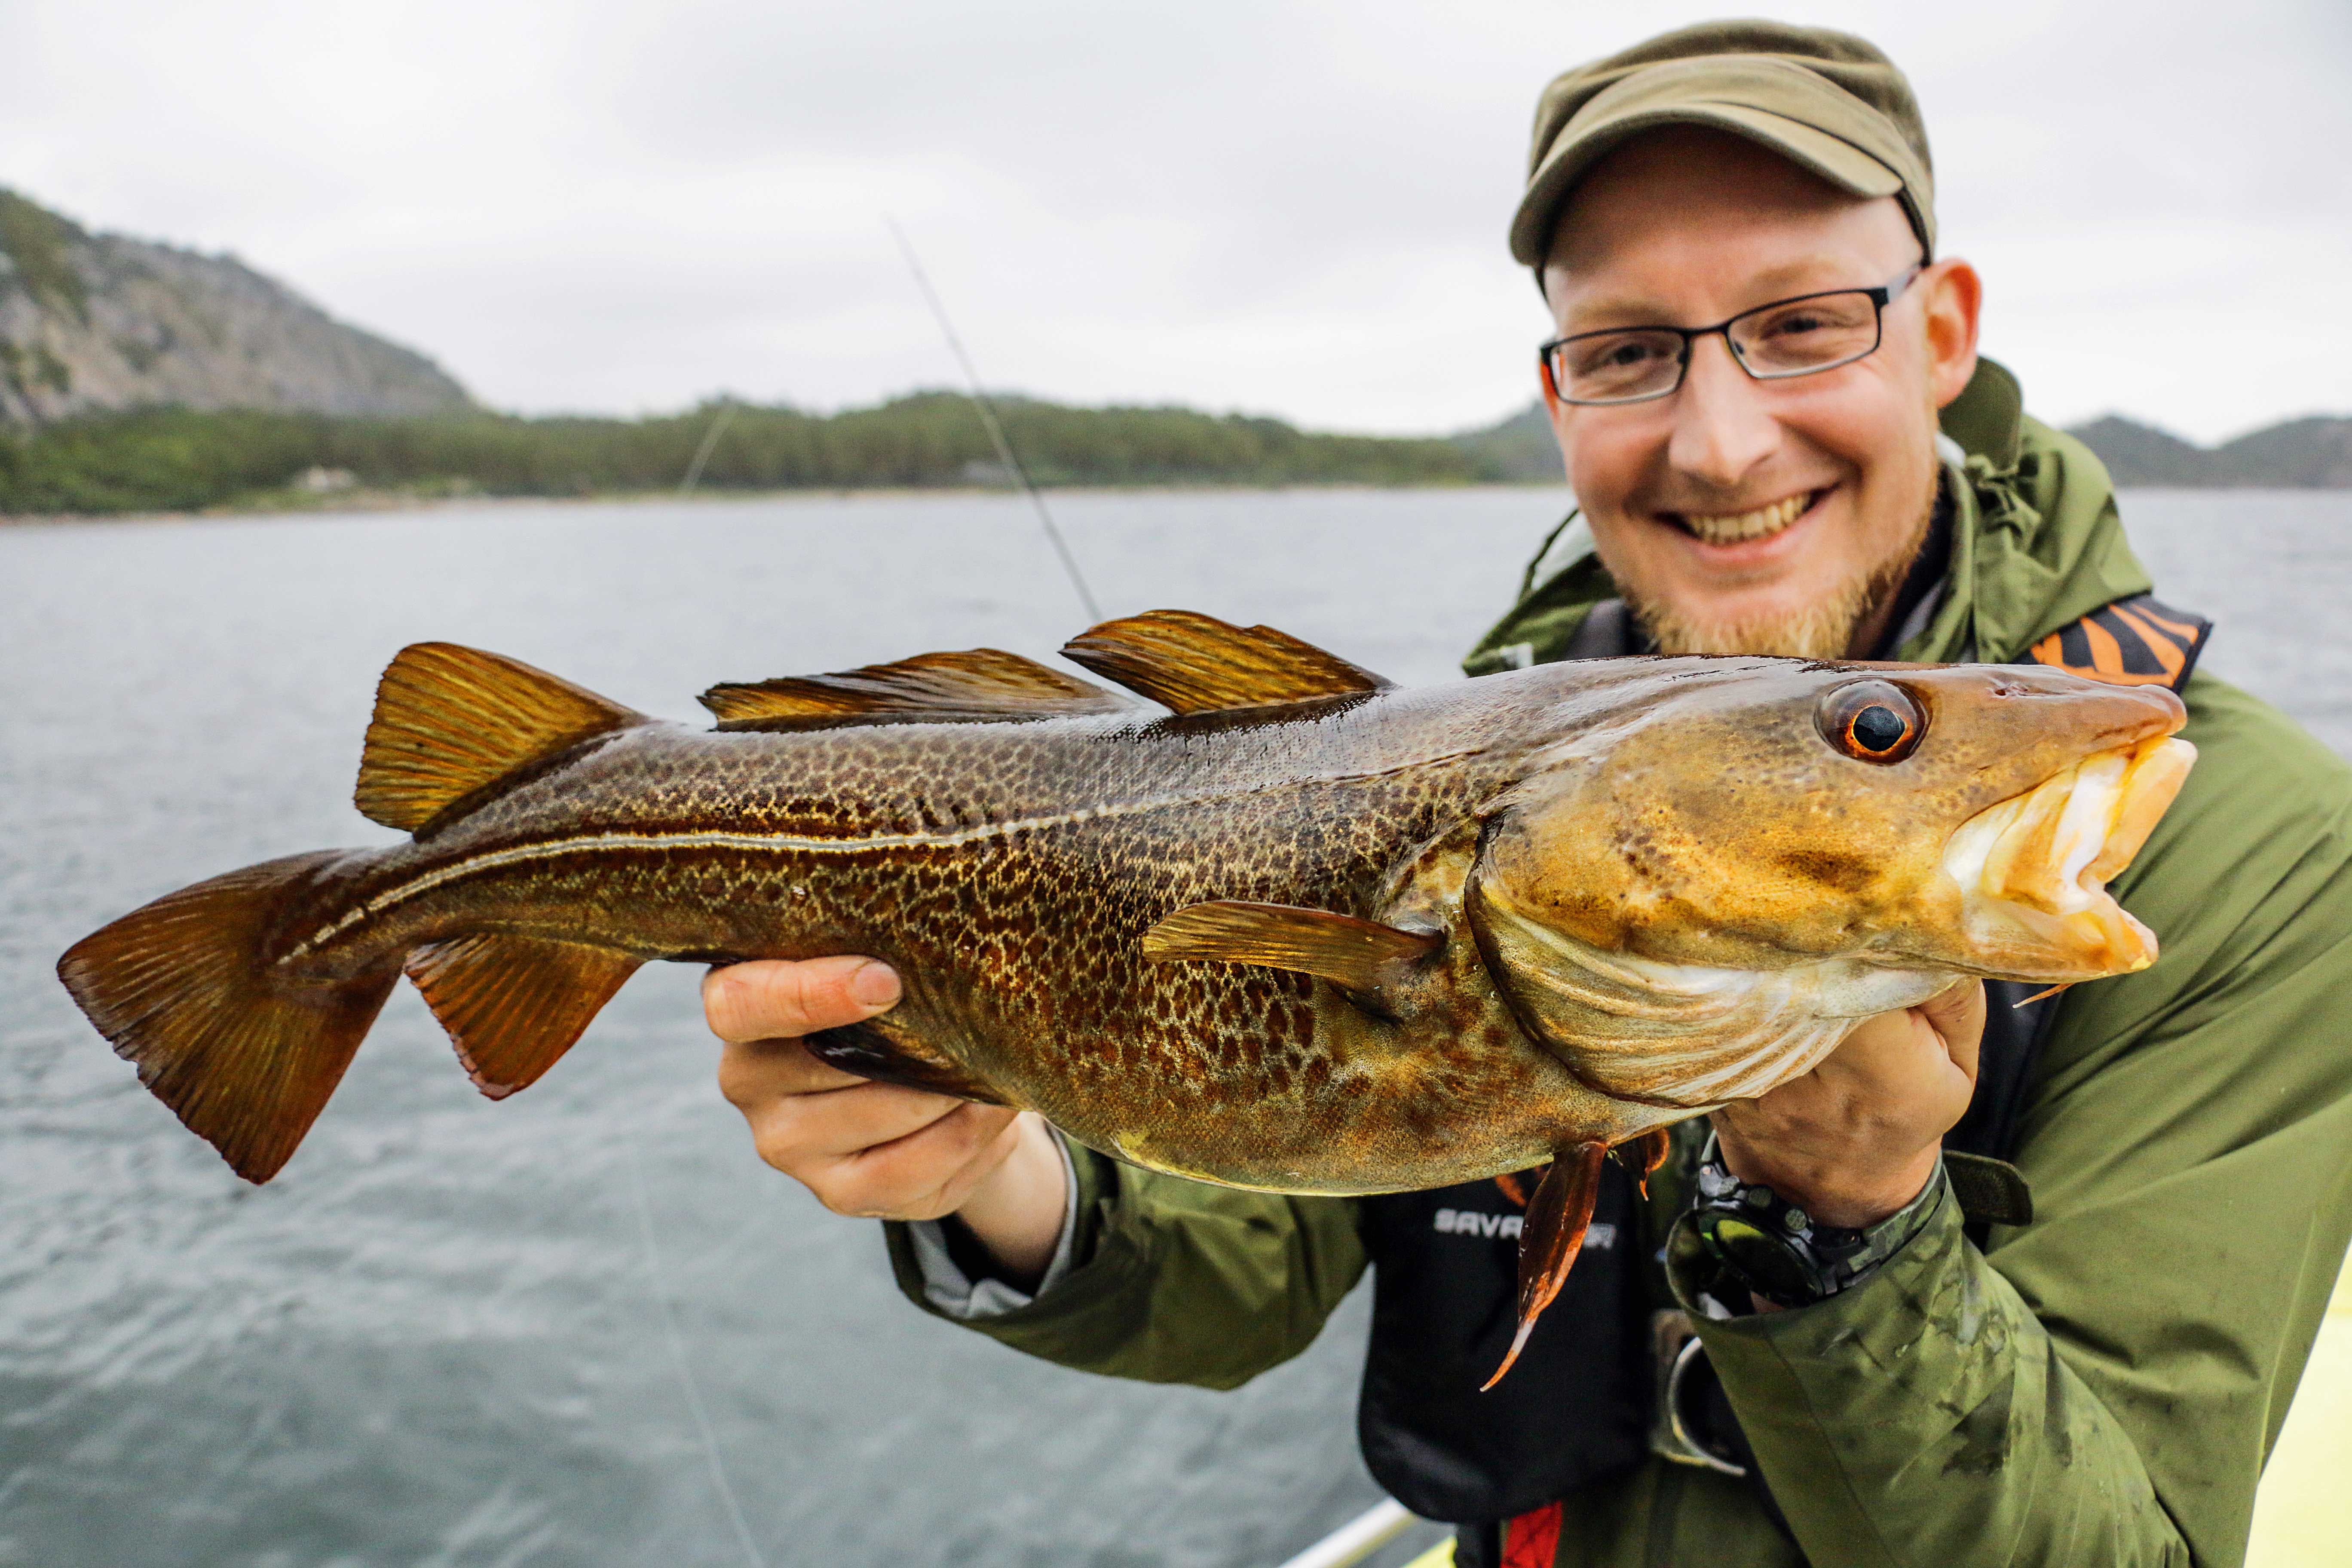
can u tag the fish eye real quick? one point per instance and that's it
(1873, 722)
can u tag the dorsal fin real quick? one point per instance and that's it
(1195, 663)
(981, 685)
(449, 719)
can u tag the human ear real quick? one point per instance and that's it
(1953, 294)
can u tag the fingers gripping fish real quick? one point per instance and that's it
(1301, 932)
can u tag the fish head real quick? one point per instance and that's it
(1766, 850)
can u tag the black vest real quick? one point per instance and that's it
(1576, 1406)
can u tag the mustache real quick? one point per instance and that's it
(1823, 629)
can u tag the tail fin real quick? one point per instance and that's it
(244, 1055)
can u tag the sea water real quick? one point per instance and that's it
(586, 1326)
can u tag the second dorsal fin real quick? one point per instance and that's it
(1196, 664)
(449, 719)
(978, 685)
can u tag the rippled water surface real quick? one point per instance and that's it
(444, 1335)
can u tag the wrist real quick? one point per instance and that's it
(1016, 1211)
(1850, 1195)
(1744, 1246)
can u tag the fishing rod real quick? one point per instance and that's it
(987, 411)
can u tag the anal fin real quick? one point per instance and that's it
(868, 1051)
(1195, 663)
(1551, 1236)
(512, 1005)
(982, 684)
(1360, 956)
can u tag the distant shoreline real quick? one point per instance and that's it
(180, 461)
(372, 503)
(381, 503)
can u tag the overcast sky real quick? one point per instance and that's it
(1276, 205)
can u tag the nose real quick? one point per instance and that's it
(1722, 429)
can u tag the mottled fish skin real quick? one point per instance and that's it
(1008, 872)
(1455, 890)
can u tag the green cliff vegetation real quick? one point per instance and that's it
(34, 240)
(177, 459)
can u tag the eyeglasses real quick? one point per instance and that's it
(1802, 336)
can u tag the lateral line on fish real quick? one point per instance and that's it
(788, 843)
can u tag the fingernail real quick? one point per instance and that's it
(874, 985)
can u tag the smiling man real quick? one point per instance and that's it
(1737, 520)
(2025, 1283)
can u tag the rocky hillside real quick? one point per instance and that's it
(95, 321)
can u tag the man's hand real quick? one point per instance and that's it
(1857, 1138)
(876, 1149)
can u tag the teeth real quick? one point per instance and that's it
(1733, 529)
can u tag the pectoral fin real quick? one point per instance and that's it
(1196, 664)
(1359, 955)
(1551, 1236)
(868, 1051)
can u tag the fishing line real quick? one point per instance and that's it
(709, 444)
(978, 396)
(684, 1370)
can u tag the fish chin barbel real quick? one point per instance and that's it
(1303, 931)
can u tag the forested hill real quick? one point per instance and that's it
(2314, 453)
(180, 459)
(100, 321)
(2297, 454)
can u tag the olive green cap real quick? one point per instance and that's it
(1827, 101)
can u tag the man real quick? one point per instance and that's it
(1734, 228)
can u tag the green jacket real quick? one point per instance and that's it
(2101, 1386)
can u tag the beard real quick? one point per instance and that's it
(1822, 630)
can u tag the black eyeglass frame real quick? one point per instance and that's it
(1880, 298)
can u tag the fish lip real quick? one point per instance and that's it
(2032, 869)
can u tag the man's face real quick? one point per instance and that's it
(1739, 515)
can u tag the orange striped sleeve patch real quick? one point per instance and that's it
(2132, 642)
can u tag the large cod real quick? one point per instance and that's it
(1305, 931)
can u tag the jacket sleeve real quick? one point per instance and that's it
(2103, 1384)
(1175, 1280)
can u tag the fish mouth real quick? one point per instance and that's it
(2032, 869)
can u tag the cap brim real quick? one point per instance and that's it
(1840, 163)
